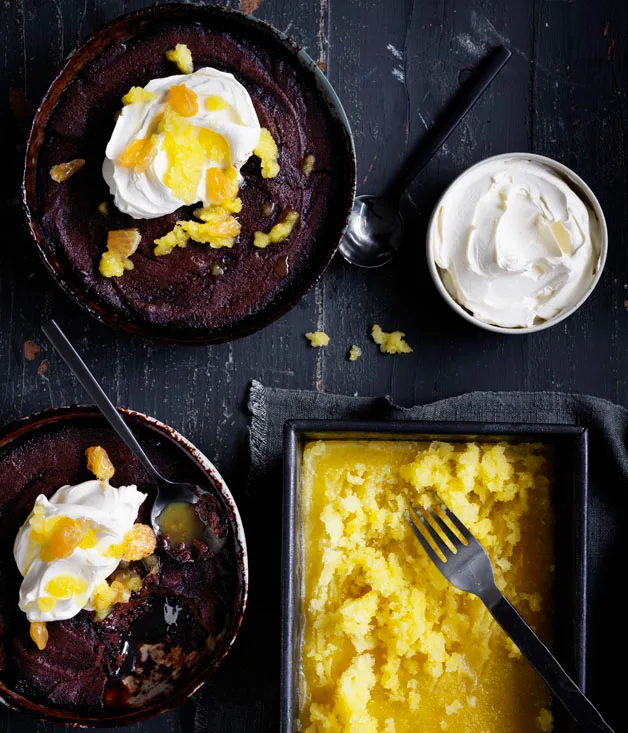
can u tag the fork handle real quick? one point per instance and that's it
(564, 688)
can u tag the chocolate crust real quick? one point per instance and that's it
(178, 293)
(89, 665)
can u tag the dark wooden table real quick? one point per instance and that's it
(394, 64)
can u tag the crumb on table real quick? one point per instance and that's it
(355, 352)
(390, 343)
(317, 338)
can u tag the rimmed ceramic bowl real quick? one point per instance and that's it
(327, 240)
(579, 187)
(179, 675)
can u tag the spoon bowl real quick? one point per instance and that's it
(168, 492)
(375, 229)
(374, 233)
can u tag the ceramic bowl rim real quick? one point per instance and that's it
(73, 64)
(20, 703)
(591, 201)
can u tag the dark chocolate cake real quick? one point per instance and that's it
(169, 626)
(179, 291)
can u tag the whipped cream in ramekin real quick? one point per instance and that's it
(515, 243)
(145, 195)
(109, 512)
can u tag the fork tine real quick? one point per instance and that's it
(440, 543)
(453, 519)
(424, 543)
(446, 530)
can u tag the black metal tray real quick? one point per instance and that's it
(570, 506)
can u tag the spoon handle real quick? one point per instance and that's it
(77, 366)
(452, 116)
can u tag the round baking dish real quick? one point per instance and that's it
(583, 191)
(321, 243)
(180, 677)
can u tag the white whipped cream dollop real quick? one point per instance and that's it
(515, 243)
(145, 195)
(109, 512)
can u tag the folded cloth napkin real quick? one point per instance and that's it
(608, 479)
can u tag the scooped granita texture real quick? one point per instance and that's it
(388, 644)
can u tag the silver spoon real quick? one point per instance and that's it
(375, 229)
(167, 491)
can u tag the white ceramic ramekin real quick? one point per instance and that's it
(580, 188)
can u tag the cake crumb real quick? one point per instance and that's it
(355, 352)
(31, 349)
(181, 56)
(317, 338)
(390, 343)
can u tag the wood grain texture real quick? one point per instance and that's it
(394, 64)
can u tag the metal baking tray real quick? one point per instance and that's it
(570, 505)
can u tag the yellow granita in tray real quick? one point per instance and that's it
(388, 644)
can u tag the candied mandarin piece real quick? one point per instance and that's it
(183, 100)
(66, 536)
(99, 463)
(390, 343)
(268, 153)
(63, 171)
(39, 634)
(355, 352)
(182, 57)
(121, 244)
(221, 185)
(139, 542)
(317, 338)
(384, 634)
(139, 154)
(282, 230)
(138, 94)
(215, 103)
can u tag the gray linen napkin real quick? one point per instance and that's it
(608, 441)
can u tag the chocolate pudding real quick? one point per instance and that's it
(197, 293)
(176, 622)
